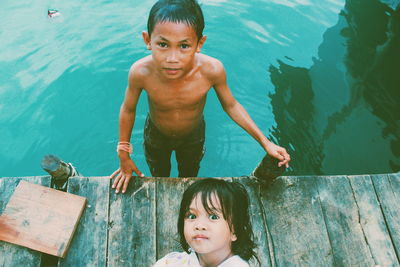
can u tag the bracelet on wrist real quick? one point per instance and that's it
(125, 146)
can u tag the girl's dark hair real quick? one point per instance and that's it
(186, 11)
(235, 209)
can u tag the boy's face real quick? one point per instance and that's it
(173, 47)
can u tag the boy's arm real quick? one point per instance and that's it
(127, 117)
(238, 114)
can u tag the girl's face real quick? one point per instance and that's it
(208, 234)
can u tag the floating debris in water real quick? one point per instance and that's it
(53, 13)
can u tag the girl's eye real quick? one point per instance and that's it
(184, 46)
(162, 44)
(190, 216)
(214, 217)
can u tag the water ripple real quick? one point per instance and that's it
(63, 79)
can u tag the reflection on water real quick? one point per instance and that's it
(342, 115)
(294, 113)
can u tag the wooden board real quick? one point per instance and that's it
(296, 223)
(89, 245)
(132, 233)
(342, 219)
(257, 215)
(387, 187)
(41, 218)
(372, 221)
(10, 254)
(291, 221)
(169, 195)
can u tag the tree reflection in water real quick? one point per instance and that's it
(342, 115)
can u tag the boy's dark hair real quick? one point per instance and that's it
(186, 11)
(235, 209)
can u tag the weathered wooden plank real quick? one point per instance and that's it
(8, 185)
(13, 255)
(168, 197)
(132, 233)
(257, 215)
(372, 221)
(41, 218)
(296, 223)
(342, 220)
(293, 216)
(394, 179)
(89, 245)
(387, 188)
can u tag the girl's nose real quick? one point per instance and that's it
(200, 225)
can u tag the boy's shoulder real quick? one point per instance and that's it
(210, 66)
(141, 68)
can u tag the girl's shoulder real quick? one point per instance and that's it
(234, 261)
(178, 259)
(182, 259)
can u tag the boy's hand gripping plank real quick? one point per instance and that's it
(127, 117)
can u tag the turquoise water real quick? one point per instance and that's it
(318, 76)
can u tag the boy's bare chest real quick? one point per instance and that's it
(178, 96)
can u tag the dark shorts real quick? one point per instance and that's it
(189, 150)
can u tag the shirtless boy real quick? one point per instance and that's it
(177, 78)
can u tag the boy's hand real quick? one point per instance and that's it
(123, 175)
(278, 153)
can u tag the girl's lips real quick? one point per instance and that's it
(200, 237)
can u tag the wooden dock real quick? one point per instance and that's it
(297, 221)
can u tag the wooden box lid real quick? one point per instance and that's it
(41, 218)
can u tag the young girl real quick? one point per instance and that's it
(214, 226)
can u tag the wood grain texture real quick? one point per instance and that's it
(10, 254)
(372, 221)
(257, 215)
(89, 245)
(296, 223)
(387, 187)
(132, 233)
(169, 196)
(342, 218)
(41, 218)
